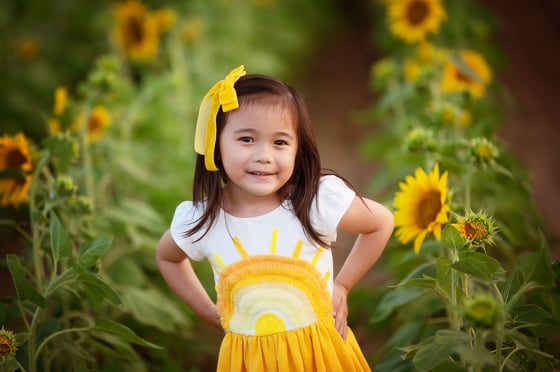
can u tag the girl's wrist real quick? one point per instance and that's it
(344, 287)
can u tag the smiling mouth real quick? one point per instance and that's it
(261, 173)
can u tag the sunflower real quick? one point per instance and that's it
(422, 206)
(411, 20)
(98, 121)
(15, 156)
(137, 31)
(469, 72)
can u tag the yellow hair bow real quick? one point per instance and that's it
(221, 94)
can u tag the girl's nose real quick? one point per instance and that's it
(262, 154)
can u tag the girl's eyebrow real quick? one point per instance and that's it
(251, 130)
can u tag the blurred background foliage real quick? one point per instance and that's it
(107, 94)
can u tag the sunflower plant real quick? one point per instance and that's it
(60, 263)
(473, 290)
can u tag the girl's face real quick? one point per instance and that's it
(258, 147)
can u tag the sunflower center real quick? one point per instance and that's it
(6, 347)
(462, 76)
(417, 12)
(15, 159)
(428, 208)
(484, 151)
(94, 124)
(135, 30)
(475, 230)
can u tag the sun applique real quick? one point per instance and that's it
(270, 293)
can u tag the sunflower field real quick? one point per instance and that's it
(99, 102)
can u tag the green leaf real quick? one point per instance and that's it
(511, 286)
(425, 282)
(151, 307)
(452, 238)
(536, 266)
(61, 246)
(62, 149)
(541, 321)
(394, 299)
(92, 250)
(123, 332)
(430, 356)
(478, 265)
(443, 270)
(24, 289)
(96, 288)
(128, 272)
(394, 96)
(451, 337)
(56, 281)
(410, 330)
(449, 366)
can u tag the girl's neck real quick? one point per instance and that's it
(245, 205)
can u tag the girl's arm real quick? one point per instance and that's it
(374, 224)
(179, 274)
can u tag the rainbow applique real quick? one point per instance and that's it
(269, 293)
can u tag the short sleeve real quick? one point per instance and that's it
(185, 215)
(333, 200)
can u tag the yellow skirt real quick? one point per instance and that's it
(316, 348)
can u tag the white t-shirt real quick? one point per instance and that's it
(277, 232)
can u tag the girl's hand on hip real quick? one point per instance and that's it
(340, 307)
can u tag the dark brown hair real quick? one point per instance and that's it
(301, 189)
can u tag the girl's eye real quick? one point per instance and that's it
(246, 139)
(280, 142)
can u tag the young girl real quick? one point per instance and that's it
(265, 217)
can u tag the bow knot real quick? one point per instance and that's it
(222, 94)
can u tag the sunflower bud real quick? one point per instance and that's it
(192, 30)
(65, 185)
(81, 204)
(477, 228)
(483, 151)
(481, 311)
(382, 71)
(420, 139)
(8, 345)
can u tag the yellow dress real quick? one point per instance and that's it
(277, 314)
(274, 287)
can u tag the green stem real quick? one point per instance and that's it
(35, 240)
(453, 312)
(503, 364)
(500, 326)
(32, 354)
(36, 256)
(468, 177)
(88, 169)
(400, 110)
(19, 365)
(50, 337)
